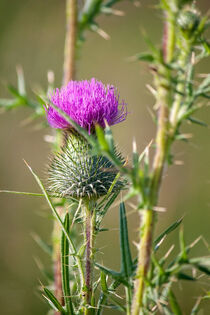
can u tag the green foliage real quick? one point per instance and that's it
(89, 172)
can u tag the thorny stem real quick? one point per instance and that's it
(89, 259)
(70, 41)
(162, 80)
(184, 55)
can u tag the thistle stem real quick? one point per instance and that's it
(162, 81)
(89, 259)
(70, 41)
(57, 262)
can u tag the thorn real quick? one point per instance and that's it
(193, 58)
(137, 4)
(102, 33)
(161, 241)
(159, 209)
(178, 162)
(49, 139)
(152, 90)
(169, 251)
(134, 146)
(132, 58)
(136, 244)
(27, 165)
(50, 77)
(195, 241)
(118, 12)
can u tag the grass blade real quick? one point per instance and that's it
(55, 213)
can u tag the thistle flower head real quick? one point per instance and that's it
(76, 172)
(87, 103)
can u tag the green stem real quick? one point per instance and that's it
(89, 259)
(164, 99)
(57, 262)
(128, 300)
(70, 41)
(143, 259)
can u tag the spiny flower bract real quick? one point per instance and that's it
(75, 172)
(87, 103)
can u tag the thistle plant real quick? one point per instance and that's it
(87, 172)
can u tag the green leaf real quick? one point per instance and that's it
(184, 276)
(182, 246)
(145, 57)
(9, 103)
(202, 268)
(170, 229)
(174, 304)
(114, 274)
(54, 303)
(103, 282)
(197, 121)
(101, 138)
(65, 267)
(21, 193)
(126, 260)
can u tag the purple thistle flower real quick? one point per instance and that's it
(87, 103)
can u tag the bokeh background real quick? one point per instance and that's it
(32, 35)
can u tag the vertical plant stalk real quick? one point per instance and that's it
(89, 259)
(162, 80)
(70, 41)
(68, 74)
(57, 261)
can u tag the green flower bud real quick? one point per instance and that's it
(188, 22)
(76, 172)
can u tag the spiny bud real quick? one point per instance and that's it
(188, 22)
(76, 172)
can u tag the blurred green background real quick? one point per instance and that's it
(32, 34)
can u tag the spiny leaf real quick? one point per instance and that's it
(197, 121)
(103, 282)
(145, 57)
(171, 228)
(184, 276)
(53, 301)
(126, 260)
(174, 304)
(114, 274)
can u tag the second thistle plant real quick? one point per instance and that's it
(76, 171)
